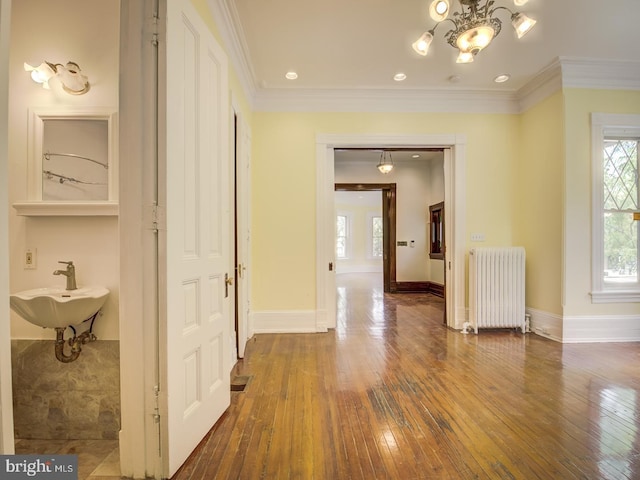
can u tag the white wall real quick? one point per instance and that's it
(86, 33)
(360, 207)
(420, 183)
(435, 194)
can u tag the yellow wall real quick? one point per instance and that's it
(284, 188)
(579, 104)
(538, 195)
(528, 183)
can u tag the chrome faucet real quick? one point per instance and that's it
(70, 273)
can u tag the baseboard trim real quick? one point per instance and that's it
(286, 321)
(585, 328)
(436, 289)
(545, 324)
(412, 287)
(601, 328)
(420, 287)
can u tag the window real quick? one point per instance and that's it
(616, 197)
(342, 236)
(377, 232)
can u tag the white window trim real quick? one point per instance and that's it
(348, 245)
(370, 217)
(601, 125)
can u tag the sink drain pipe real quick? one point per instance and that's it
(75, 342)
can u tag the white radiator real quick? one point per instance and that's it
(496, 288)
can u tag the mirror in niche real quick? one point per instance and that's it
(75, 163)
(72, 156)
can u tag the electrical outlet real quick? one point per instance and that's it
(477, 237)
(30, 258)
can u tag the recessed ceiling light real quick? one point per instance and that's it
(502, 78)
(398, 77)
(415, 155)
(291, 75)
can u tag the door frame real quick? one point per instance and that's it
(241, 162)
(454, 146)
(6, 395)
(139, 217)
(388, 224)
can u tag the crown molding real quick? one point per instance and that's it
(601, 74)
(385, 100)
(546, 82)
(226, 18)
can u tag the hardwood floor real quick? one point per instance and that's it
(393, 394)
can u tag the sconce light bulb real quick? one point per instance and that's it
(40, 74)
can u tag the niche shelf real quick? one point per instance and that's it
(65, 209)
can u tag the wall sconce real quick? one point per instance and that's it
(70, 76)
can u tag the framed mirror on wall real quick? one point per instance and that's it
(72, 162)
(436, 231)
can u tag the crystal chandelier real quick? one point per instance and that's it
(474, 26)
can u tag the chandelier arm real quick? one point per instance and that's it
(433, 30)
(503, 8)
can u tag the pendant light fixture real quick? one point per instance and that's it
(385, 165)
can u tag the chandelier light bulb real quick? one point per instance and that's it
(421, 46)
(439, 10)
(520, 3)
(475, 39)
(522, 24)
(464, 57)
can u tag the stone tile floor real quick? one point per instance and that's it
(97, 459)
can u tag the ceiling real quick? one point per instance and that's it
(362, 44)
(398, 156)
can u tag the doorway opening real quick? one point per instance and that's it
(388, 217)
(408, 263)
(453, 148)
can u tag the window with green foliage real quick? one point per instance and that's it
(342, 229)
(616, 203)
(620, 178)
(377, 234)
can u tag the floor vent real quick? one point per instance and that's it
(239, 382)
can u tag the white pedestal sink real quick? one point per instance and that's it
(55, 307)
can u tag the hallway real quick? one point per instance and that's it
(392, 393)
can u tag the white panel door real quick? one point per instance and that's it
(195, 182)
